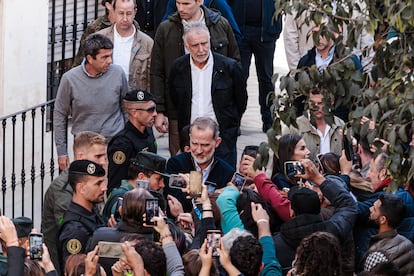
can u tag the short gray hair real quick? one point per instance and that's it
(203, 123)
(197, 27)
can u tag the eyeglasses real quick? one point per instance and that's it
(150, 109)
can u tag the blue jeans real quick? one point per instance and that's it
(263, 55)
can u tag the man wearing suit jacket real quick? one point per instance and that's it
(207, 84)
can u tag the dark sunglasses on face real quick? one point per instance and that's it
(148, 109)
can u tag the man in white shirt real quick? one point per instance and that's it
(132, 48)
(207, 84)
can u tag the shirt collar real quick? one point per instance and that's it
(206, 171)
(117, 35)
(185, 22)
(83, 65)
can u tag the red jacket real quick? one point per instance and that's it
(269, 192)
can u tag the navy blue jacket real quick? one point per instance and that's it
(270, 29)
(309, 59)
(220, 174)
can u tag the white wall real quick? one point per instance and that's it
(23, 54)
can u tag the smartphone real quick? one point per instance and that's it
(144, 184)
(238, 180)
(293, 168)
(118, 204)
(35, 246)
(213, 240)
(151, 210)
(110, 250)
(319, 163)
(177, 182)
(251, 151)
(349, 151)
(195, 184)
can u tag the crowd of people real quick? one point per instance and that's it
(119, 208)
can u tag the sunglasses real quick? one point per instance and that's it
(150, 109)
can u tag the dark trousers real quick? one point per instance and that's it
(263, 55)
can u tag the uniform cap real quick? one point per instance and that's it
(139, 96)
(23, 226)
(150, 161)
(86, 167)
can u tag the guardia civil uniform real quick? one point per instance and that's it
(78, 222)
(128, 142)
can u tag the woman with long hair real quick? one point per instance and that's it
(291, 148)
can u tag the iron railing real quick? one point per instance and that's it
(67, 21)
(27, 148)
(27, 157)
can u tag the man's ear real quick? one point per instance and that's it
(108, 6)
(89, 58)
(141, 176)
(382, 219)
(218, 141)
(383, 174)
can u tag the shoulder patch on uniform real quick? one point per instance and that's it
(119, 157)
(73, 246)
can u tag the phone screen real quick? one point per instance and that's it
(293, 168)
(213, 240)
(195, 184)
(110, 250)
(35, 246)
(238, 180)
(177, 182)
(144, 184)
(151, 210)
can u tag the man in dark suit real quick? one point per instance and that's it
(207, 84)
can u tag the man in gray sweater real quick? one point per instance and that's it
(91, 94)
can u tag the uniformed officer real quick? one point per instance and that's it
(88, 182)
(145, 171)
(135, 137)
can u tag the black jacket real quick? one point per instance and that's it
(124, 146)
(228, 93)
(340, 224)
(76, 229)
(220, 174)
(169, 45)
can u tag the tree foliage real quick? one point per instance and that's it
(387, 97)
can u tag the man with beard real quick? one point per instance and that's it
(206, 84)
(88, 182)
(388, 246)
(319, 135)
(136, 136)
(216, 173)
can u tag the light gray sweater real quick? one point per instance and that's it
(94, 103)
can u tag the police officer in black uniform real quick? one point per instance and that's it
(88, 182)
(135, 137)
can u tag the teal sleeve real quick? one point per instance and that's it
(271, 263)
(229, 215)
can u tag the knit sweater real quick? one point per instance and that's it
(94, 103)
